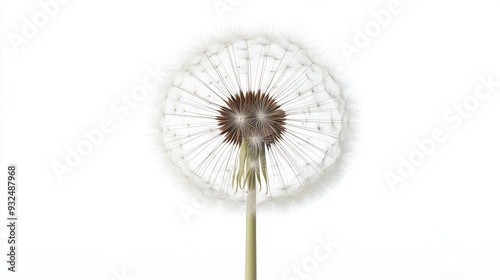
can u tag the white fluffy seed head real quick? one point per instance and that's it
(304, 152)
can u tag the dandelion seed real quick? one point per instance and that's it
(254, 118)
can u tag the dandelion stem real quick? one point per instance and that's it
(251, 235)
(250, 170)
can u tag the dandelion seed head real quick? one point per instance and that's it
(268, 94)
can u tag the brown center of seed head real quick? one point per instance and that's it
(254, 116)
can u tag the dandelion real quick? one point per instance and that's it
(255, 120)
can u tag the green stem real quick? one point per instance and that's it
(251, 236)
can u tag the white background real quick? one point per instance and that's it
(117, 214)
